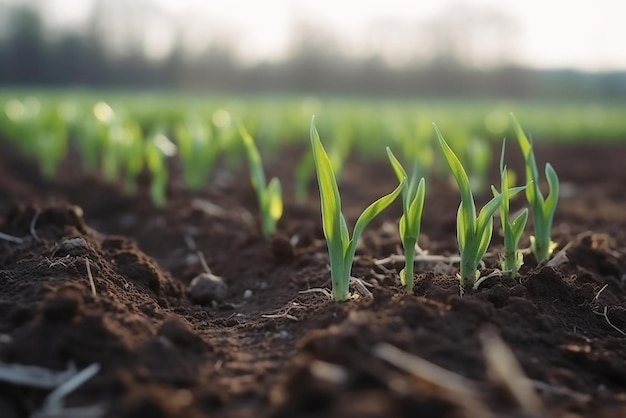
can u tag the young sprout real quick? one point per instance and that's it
(542, 209)
(473, 233)
(303, 173)
(338, 153)
(512, 258)
(478, 159)
(421, 149)
(90, 136)
(410, 222)
(341, 247)
(51, 142)
(132, 156)
(269, 195)
(158, 149)
(123, 153)
(198, 151)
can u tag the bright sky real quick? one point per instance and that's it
(581, 34)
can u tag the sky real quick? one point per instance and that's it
(579, 34)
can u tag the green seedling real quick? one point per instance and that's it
(269, 195)
(304, 171)
(512, 259)
(341, 247)
(338, 154)
(132, 156)
(473, 232)
(52, 142)
(158, 149)
(542, 209)
(123, 154)
(198, 151)
(92, 126)
(39, 131)
(90, 140)
(413, 194)
(412, 137)
(478, 161)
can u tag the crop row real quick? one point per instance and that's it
(122, 135)
(474, 230)
(120, 147)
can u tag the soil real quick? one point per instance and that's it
(265, 348)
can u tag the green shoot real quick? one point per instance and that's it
(158, 149)
(542, 209)
(338, 153)
(302, 176)
(478, 159)
(512, 258)
(132, 156)
(412, 208)
(341, 247)
(51, 143)
(91, 135)
(269, 195)
(198, 151)
(473, 232)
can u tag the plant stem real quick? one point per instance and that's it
(407, 275)
(338, 274)
(510, 263)
(467, 271)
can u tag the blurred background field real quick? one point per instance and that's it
(558, 65)
(378, 73)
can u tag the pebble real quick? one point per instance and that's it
(73, 246)
(206, 288)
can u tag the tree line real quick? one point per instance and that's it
(28, 57)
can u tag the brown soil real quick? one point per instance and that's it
(268, 350)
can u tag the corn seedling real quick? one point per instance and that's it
(158, 149)
(89, 133)
(52, 142)
(413, 139)
(473, 232)
(542, 209)
(478, 161)
(512, 259)
(338, 153)
(304, 171)
(412, 208)
(198, 150)
(269, 195)
(122, 153)
(225, 133)
(341, 247)
(132, 156)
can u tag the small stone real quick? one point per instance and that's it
(247, 294)
(207, 287)
(73, 247)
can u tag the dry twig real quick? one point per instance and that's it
(503, 369)
(460, 390)
(90, 276)
(11, 238)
